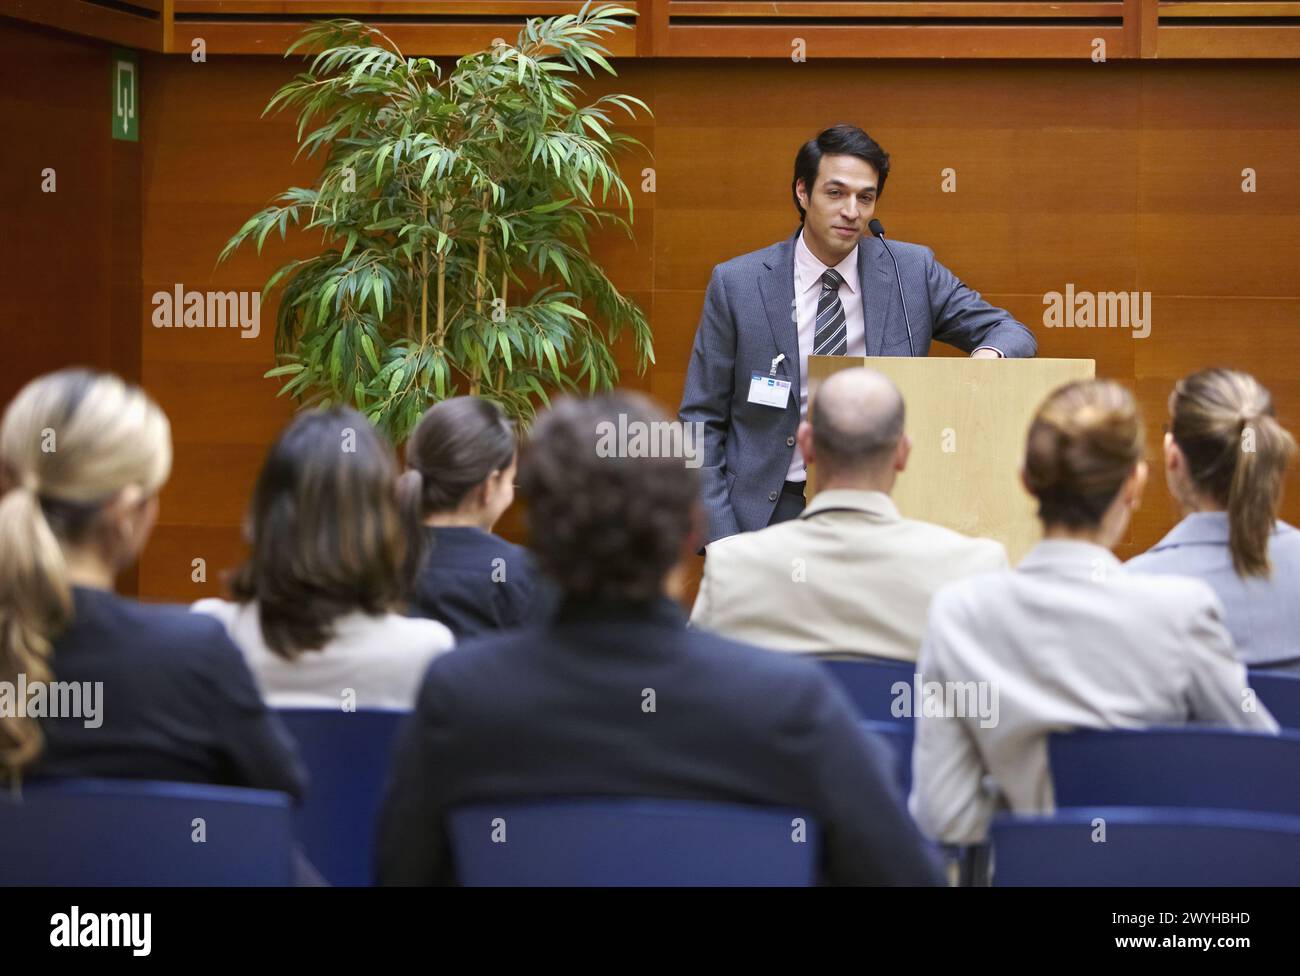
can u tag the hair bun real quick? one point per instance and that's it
(1082, 444)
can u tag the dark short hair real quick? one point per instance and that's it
(326, 535)
(455, 446)
(604, 528)
(838, 140)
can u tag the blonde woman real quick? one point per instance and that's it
(1225, 459)
(1067, 639)
(162, 693)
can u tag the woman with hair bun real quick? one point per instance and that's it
(1225, 460)
(1068, 639)
(460, 479)
(165, 695)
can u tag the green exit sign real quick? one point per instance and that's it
(126, 95)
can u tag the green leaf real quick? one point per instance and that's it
(440, 377)
(562, 263)
(379, 294)
(536, 387)
(368, 348)
(552, 206)
(549, 348)
(328, 293)
(336, 357)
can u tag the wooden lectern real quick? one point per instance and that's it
(967, 419)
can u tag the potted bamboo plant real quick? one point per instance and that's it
(454, 209)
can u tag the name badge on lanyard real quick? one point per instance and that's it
(768, 390)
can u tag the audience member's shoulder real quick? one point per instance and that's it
(416, 633)
(1286, 536)
(745, 546)
(972, 591)
(487, 650)
(1161, 559)
(166, 621)
(1178, 596)
(517, 555)
(794, 690)
(1152, 561)
(224, 610)
(169, 630)
(941, 539)
(733, 657)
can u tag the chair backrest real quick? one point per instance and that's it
(870, 685)
(347, 755)
(898, 736)
(613, 841)
(1138, 846)
(136, 832)
(1179, 767)
(1281, 693)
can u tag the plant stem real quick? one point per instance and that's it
(478, 293)
(424, 283)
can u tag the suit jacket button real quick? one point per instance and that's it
(789, 441)
(771, 496)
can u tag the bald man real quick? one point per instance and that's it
(849, 576)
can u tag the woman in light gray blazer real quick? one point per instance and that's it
(1066, 640)
(1225, 459)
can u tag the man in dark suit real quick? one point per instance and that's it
(616, 697)
(825, 290)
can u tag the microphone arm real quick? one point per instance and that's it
(878, 230)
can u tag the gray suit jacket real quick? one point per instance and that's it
(1066, 640)
(748, 320)
(1263, 615)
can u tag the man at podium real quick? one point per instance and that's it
(826, 290)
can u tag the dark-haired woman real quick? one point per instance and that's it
(317, 606)
(460, 478)
(1068, 639)
(1225, 460)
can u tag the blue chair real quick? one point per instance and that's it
(1281, 693)
(613, 841)
(1180, 767)
(898, 736)
(870, 685)
(120, 832)
(1146, 846)
(347, 755)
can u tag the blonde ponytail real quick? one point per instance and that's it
(35, 602)
(1237, 454)
(69, 442)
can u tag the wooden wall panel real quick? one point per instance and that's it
(57, 248)
(707, 29)
(1117, 176)
(71, 257)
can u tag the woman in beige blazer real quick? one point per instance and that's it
(1068, 639)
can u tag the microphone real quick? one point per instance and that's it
(878, 230)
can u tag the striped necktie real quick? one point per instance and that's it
(831, 335)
